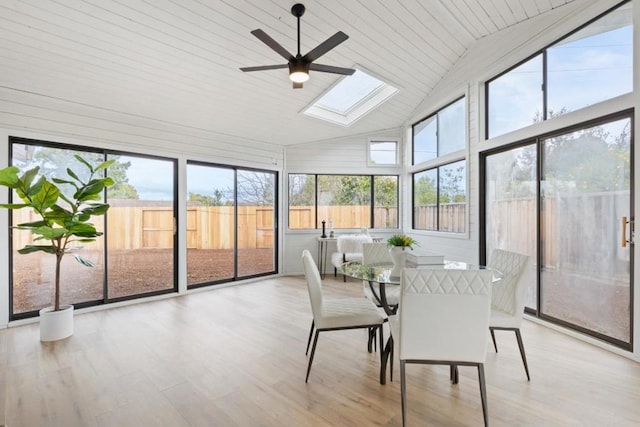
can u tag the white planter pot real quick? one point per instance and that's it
(56, 325)
(398, 256)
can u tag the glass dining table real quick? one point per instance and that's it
(379, 278)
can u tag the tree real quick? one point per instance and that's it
(255, 188)
(218, 198)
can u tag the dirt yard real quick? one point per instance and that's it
(130, 272)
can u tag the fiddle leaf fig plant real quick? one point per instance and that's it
(64, 220)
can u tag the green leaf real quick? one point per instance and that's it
(105, 165)
(28, 177)
(81, 229)
(73, 175)
(31, 225)
(108, 181)
(81, 160)
(9, 177)
(96, 209)
(91, 191)
(46, 197)
(35, 248)
(13, 205)
(50, 233)
(64, 181)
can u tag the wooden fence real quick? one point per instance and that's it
(208, 227)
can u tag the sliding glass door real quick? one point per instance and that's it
(231, 223)
(585, 193)
(562, 198)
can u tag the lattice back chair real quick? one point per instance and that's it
(336, 314)
(442, 320)
(349, 248)
(510, 296)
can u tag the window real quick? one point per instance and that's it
(348, 201)
(588, 66)
(353, 97)
(383, 152)
(231, 217)
(439, 198)
(441, 133)
(515, 98)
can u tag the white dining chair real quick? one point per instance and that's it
(378, 254)
(349, 248)
(442, 320)
(336, 314)
(509, 296)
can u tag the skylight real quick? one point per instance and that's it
(351, 98)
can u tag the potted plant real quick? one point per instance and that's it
(401, 241)
(64, 222)
(397, 245)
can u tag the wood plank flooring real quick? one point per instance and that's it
(235, 357)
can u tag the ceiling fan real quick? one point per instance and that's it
(299, 65)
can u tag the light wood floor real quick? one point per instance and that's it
(235, 357)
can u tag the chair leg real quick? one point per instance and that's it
(335, 272)
(454, 374)
(383, 368)
(403, 393)
(371, 339)
(313, 351)
(310, 334)
(493, 338)
(524, 357)
(483, 393)
(390, 344)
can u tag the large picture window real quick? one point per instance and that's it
(344, 201)
(588, 66)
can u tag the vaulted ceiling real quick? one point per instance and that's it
(175, 62)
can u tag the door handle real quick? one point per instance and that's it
(626, 221)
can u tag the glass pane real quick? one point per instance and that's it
(452, 197)
(140, 226)
(592, 65)
(425, 140)
(585, 193)
(510, 203)
(515, 98)
(33, 275)
(302, 201)
(210, 224)
(451, 128)
(256, 222)
(344, 199)
(425, 200)
(385, 203)
(383, 152)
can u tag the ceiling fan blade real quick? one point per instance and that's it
(264, 67)
(325, 46)
(297, 85)
(266, 39)
(331, 69)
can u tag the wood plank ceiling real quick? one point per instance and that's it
(175, 62)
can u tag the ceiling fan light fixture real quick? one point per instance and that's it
(300, 76)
